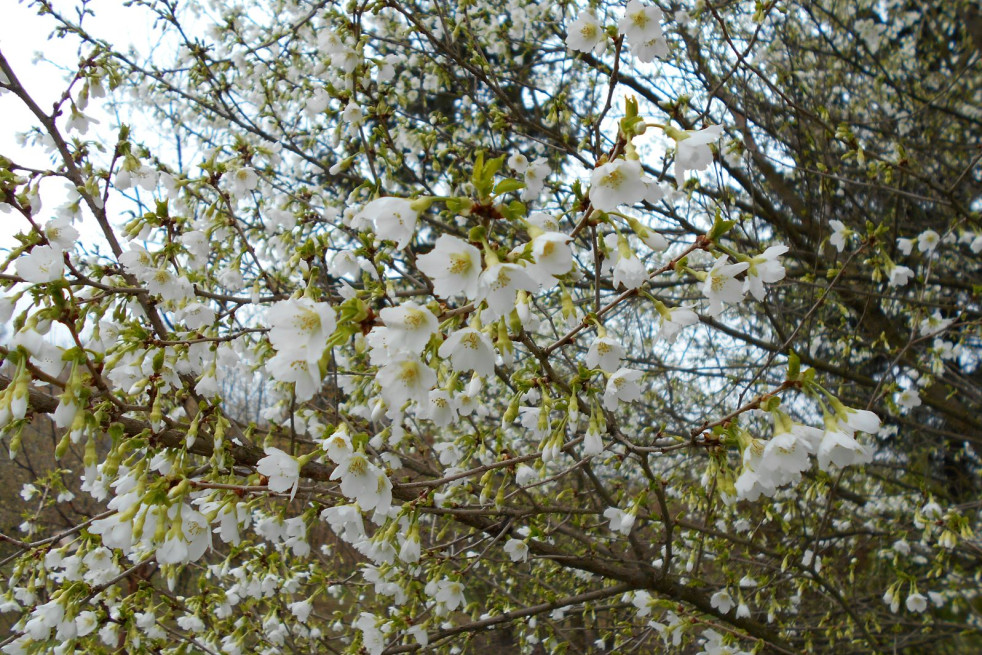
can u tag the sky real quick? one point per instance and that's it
(35, 58)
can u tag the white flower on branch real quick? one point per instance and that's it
(586, 34)
(839, 447)
(407, 329)
(622, 386)
(454, 266)
(641, 25)
(605, 353)
(394, 219)
(499, 284)
(60, 233)
(764, 269)
(620, 521)
(298, 366)
(692, 152)
(535, 178)
(281, 469)
(403, 379)
(721, 285)
(41, 264)
(517, 550)
(617, 183)
(469, 350)
(300, 323)
(671, 321)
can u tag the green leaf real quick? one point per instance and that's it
(513, 210)
(794, 366)
(508, 185)
(720, 227)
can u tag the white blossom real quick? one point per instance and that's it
(721, 285)
(469, 350)
(454, 267)
(282, 470)
(620, 521)
(692, 151)
(622, 386)
(605, 353)
(586, 34)
(394, 219)
(616, 183)
(41, 264)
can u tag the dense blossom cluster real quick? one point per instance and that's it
(446, 319)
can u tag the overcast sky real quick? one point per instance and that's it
(35, 59)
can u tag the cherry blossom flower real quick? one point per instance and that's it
(410, 548)
(189, 541)
(552, 255)
(927, 241)
(454, 266)
(764, 268)
(909, 399)
(586, 34)
(593, 443)
(442, 408)
(517, 550)
(671, 321)
(899, 276)
(300, 323)
(403, 379)
(934, 324)
(364, 482)
(629, 271)
(353, 115)
(42, 264)
(692, 151)
(604, 353)
(840, 448)
(197, 531)
(616, 183)
(861, 420)
(518, 162)
(394, 219)
(839, 234)
(648, 50)
(622, 386)
(297, 366)
(168, 285)
(469, 350)
(722, 601)
(720, 285)
(641, 25)
(449, 594)
(242, 181)
(43, 619)
(371, 637)
(620, 521)
(407, 329)
(86, 622)
(282, 470)
(916, 603)
(60, 233)
(535, 178)
(499, 284)
(301, 609)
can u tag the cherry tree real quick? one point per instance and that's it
(424, 326)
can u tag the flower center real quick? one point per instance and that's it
(459, 263)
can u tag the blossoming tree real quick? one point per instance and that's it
(625, 327)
